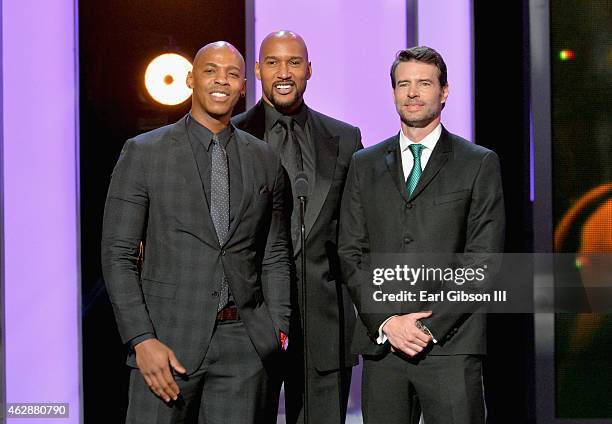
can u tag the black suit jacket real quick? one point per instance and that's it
(331, 316)
(457, 207)
(156, 196)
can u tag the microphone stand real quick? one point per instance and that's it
(302, 200)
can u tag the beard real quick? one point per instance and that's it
(418, 122)
(285, 103)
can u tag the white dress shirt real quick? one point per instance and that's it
(429, 142)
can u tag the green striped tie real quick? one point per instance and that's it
(415, 173)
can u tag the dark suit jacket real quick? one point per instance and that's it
(156, 196)
(331, 316)
(457, 207)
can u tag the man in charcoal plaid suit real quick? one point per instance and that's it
(210, 310)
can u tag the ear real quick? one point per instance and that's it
(309, 74)
(189, 79)
(257, 71)
(444, 93)
(244, 88)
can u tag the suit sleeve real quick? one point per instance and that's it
(125, 217)
(484, 239)
(354, 247)
(277, 261)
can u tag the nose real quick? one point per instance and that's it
(283, 70)
(412, 91)
(221, 78)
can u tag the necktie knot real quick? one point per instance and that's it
(286, 122)
(416, 149)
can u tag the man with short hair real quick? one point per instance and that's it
(208, 314)
(321, 147)
(423, 190)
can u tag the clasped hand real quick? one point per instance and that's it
(405, 336)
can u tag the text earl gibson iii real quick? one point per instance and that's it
(440, 296)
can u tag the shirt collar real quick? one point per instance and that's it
(204, 135)
(429, 142)
(272, 115)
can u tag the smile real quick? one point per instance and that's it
(219, 94)
(284, 87)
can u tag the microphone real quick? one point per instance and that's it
(300, 185)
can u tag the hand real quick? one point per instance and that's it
(404, 335)
(154, 360)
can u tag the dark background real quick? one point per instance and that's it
(118, 39)
(582, 160)
(502, 118)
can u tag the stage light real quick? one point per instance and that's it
(165, 79)
(567, 54)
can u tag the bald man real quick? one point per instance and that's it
(310, 142)
(207, 315)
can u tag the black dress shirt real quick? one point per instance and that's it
(302, 135)
(200, 138)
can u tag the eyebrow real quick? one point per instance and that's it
(215, 65)
(419, 80)
(277, 58)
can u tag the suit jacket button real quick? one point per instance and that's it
(409, 205)
(407, 240)
(223, 252)
(215, 294)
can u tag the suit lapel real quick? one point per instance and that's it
(246, 166)
(326, 154)
(255, 121)
(393, 160)
(189, 169)
(438, 158)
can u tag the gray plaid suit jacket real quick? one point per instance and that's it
(156, 196)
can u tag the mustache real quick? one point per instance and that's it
(219, 90)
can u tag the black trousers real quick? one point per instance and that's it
(328, 393)
(231, 386)
(448, 389)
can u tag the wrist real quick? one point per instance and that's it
(142, 344)
(387, 321)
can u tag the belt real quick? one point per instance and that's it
(229, 313)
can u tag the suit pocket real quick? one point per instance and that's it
(452, 197)
(159, 289)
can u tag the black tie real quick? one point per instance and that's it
(219, 205)
(291, 158)
(291, 153)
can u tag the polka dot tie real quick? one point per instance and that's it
(219, 204)
(415, 172)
